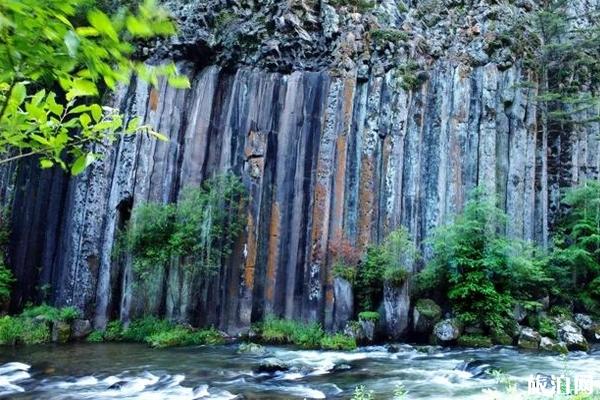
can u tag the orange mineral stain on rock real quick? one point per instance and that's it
(366, 201)
(273, 254)
(250, 255)
(153, 99)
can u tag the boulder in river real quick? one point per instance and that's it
(271, 365)
(447, 330)
(553, 346)
(477, 368)
(81, 328)
(252, 348)
(61, 332)
(426, 314)
(529, 339)
(571, 335)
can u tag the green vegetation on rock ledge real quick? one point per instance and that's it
(34, 325)
(308, 336)
(199, 230)
(481, 272)
(386, 263)
(6, 276)
(156, 333)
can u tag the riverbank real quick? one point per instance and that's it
(135, 371)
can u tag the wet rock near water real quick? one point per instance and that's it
(61, 332)
(589, 327)
(477, 368)
(426, 314)
(251, 348)
(80, 329)
(571, 335)
(474, 340)
(447, 331)
(519, 313)
(272, 365)
(529, 339)
(363, 331)
(550, 345)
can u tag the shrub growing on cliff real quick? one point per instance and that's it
(345, 259)
(6, 276)
(200, 229)
(388, 262)
(148, 237)
(479, 270)
(575, 259)
(208, 220)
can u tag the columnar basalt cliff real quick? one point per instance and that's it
(333, 146)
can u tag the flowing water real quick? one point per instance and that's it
(130, 371)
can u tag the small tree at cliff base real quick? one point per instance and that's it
(480, 271)
(575, 258)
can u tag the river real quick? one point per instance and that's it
(133, 371)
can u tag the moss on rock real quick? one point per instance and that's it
(474, 341)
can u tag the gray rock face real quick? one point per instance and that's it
(584, 321)
(570, 334)
(363, 331)
(529, 339)
(80, 328)
(519, 313)
(426, 314)
(61, 332)
(447, 330)
(396, 302)
(330, 142)
(553, 346)
(344, 303)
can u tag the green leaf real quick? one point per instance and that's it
(158, 136)
(87, 31)
(96, 112)
(72, 43)
(82, 162)
(38, 97)
(80, 109)
(85, 120)
(102, 23)
(19, 93)
(133, 125)
(40, 139)
(45, 163)
(81, 88)
(138, 28)
(179, 81)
